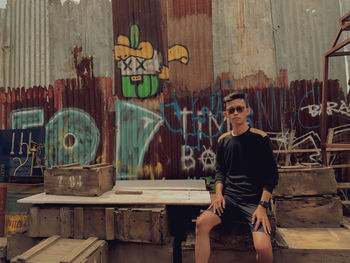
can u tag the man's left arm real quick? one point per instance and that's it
(270, 180)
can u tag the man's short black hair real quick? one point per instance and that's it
(236, 95)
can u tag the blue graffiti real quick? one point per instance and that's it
(205, 115)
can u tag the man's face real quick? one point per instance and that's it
(236, 112)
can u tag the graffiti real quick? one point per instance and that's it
(207, 122)
(136, 127)
(71, 137)
(27, 118)
(141, 65)
(187, 160)
(21, 152)
(208, 159)
(332, 108)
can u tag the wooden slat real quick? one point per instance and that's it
(345, 202)
(161, 185)
(109, 219)
(343, 186)
(34, 217)
(79, 249)
(161, 197)
(78, 222)
(65, 222)
(34, 250)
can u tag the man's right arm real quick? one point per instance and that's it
(219, 203)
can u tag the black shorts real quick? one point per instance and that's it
(238, 212)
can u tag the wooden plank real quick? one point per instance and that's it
(78, 222)
(37, 249)
(290, 145)
(96, 253)
(308, 212)
(79, 249)
(315, 238)
(196, 185)
(153, 197)
(94, 222)
(66, 218)
(329, 140)
(109, 219)
(343, 185)
(33, 221)
(306, 182)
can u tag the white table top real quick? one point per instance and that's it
(180, 196)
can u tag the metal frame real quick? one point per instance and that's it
(332, 52)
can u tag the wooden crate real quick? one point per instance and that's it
(308, 212)
(305, 182)
(77, 222)
(81, 180)
(60, 250)
(146, 225)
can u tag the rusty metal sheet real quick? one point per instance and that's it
(190, 54)
(140, 47)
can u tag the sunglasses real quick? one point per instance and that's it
(232, 110)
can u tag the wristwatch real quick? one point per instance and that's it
(264, 204)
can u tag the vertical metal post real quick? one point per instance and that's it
(324, 111)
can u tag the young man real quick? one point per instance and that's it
(246, 174)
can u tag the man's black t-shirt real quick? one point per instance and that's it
(245, 165)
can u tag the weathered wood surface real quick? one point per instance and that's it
(59, 250)
(306, 182)
(308, 212)
(146, 225)
(89, 180)
(154, 197)
(71, 222)
(189, 185)
(305, 245)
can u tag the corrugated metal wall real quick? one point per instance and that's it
(304, 30)
(243, 40)
(2, 36)
(88, 25)
(166, 57)
(26, 44)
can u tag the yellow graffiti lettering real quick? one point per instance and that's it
(179, 53)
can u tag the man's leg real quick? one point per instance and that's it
(262, 244)
(204, 224)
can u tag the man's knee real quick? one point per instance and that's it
(202, 225)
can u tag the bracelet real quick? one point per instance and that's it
(264, 204)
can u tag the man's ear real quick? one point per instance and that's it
(248, 109)
(225, 113)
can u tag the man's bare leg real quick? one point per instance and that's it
(263, 248)
(204, 224)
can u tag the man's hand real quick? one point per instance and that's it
(218, 204)
(260, 217)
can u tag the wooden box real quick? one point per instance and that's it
(81, 180)
(77, 222)
(308, 212)
(146, 225)
(306, 182)
(60, 250)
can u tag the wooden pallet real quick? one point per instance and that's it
(60, 250)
